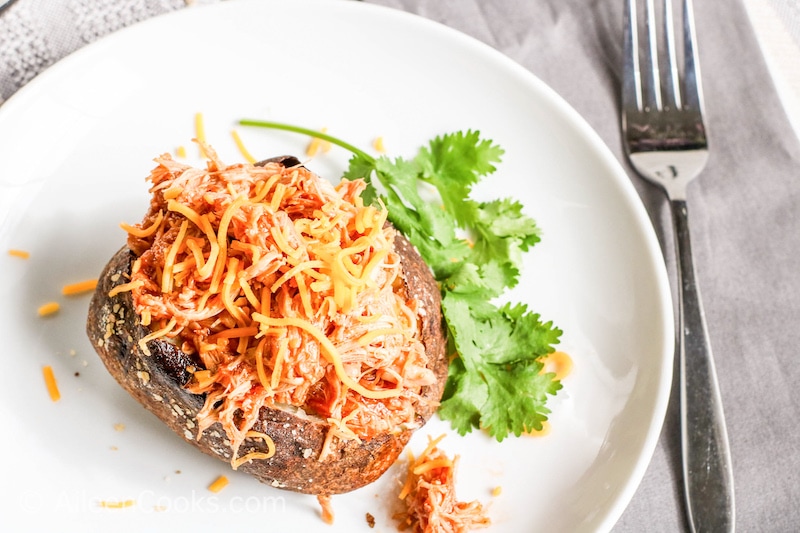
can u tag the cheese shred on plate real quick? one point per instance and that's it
(51, 383)
(49, 308)
(286, 290)
(22, 254)
(79, 287)
(430, 499)
(218, 484)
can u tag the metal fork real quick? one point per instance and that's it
(665, 140)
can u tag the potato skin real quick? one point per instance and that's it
(157, 382)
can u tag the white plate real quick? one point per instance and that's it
(78, 142)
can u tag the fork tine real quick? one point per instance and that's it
(692, 90)
(631, 74)
(652, 94)
(672, 81)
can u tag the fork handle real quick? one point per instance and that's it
(707, 470)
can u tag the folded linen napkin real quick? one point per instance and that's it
(744, 209)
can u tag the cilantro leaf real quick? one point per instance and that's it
(465, 392)
(399, 177)
(502, 234)
(361, 166)
(517, 399)
(453, 163)
(500, 388)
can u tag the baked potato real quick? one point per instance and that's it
(309, 430)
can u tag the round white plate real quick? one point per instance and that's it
(77, 144)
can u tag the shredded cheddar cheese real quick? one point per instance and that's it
(316, 144)
(51, 383)
(145, 232)
(255, 454)
(125, 287)
(200, 133)
(48, 308)
(22, 254)
(79, 287)
(218, 484)
(286, 289)
(242, 149)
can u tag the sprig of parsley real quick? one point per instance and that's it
(475, 252)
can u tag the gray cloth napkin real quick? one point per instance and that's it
(743, 210)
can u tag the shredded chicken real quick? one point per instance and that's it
(286, 289)
(430, 499)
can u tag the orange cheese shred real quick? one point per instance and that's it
(200, 133)
(260, 367)
(231, 333)
(51, 383)
(124, 287)
(22, 254)
(374, 334)
(218, 484)
(144, 232)
(294, 271)
(49, 308)
(203, 378)
(442, 462)
(156, 335)
(255, 455)
(242, 149)
(277, 365)
(316, 144)
(169, 264)
(79, 287)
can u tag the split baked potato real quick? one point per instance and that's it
(295, 445)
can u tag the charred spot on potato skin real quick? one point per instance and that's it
(286, 160)
(173, 362)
